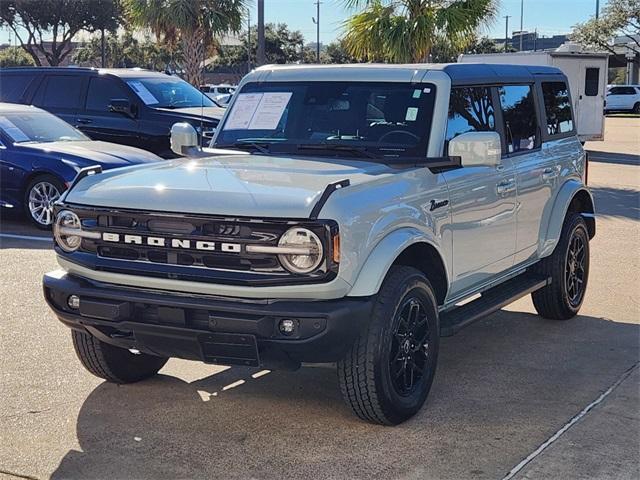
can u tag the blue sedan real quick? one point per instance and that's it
(40, 156)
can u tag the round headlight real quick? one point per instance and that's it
(66, 222)
(303, 240)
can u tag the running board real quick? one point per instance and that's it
(490, 301)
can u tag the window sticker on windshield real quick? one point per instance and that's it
(14, 132)
(416, 93)
(145, 95)
(242, 111)
(270, 110)
(412, 114)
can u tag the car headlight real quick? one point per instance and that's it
(67, 231)
(308, 245)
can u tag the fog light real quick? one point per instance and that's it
(74, 302)
(287, 326)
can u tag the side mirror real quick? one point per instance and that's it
(477, 149)
(120, 105)
(184, 139)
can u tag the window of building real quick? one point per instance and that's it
(519, 113)
(101, 91)
(470, 110)
(557, 107)
(592, 82)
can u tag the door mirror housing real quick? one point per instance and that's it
(184, 139)
(477, 149)
(121, 105)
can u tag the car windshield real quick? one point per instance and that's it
(168, 92)
(23, 127)
(372, 119)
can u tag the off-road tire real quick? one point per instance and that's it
(114, 364)
(553, 301)
(364, 373)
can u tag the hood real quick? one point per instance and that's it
(234, 185)
(209, 113)
(89, 152)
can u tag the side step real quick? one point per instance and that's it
(490, 301)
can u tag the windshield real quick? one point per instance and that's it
(373, 118)
(168, 92)
(37, 127)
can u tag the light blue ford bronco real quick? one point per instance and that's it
(349, 214)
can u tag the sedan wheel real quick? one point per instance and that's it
(41, 197)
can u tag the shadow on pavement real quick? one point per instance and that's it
(504, 385)
(612, 157)
(617, 202)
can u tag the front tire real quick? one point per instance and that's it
(636, 108)
(40, 195)
(114, 364)
(387, 374)
(568, 267)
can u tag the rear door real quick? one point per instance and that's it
(13, 85)
(98, 122)
(61, 94)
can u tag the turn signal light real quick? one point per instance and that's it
(336, 248)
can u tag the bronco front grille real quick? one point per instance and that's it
(202, 248)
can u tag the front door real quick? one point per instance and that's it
(483, 199)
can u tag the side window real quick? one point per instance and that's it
(13, 86)
(101, 91)
(557, 107)
(592, 82)
(519, 113)
(59, 91)
(616, 91)
(470, 110)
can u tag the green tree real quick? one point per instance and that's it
(618, 18)
(125, 51)
(45, 28)
(191, 23)
(336, 52)
(407, 30)
(15, 57)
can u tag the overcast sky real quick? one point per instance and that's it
(550, 17)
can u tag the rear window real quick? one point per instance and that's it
(592, 82)
(519, 113)
(470, 110)
(12, 87)
(59, 91)
(557, 106)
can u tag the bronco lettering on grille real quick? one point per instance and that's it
(172, 243)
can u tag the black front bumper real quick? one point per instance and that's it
(210, 329)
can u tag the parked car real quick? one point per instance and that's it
(358, 215)
(219, 93)
(623, 98)
(128, 106)
(40, 155)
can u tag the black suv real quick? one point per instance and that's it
(128, 106)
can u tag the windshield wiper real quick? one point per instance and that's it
(362, 151)
(262, 147)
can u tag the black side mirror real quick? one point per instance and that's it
(121, 105)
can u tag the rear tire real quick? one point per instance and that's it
(114, 364)
(636, 108)
(568, 267)
(387, 374)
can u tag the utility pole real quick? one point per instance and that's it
(521, 21)
(506, 32)
(248, 40)
(261, 57)
(102, 49)
(597, 9)
(316, 20)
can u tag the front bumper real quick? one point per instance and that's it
(207, 328)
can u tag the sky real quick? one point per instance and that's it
(550, 17)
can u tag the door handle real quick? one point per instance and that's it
(84, 121)
(505, 187)
(549, 174)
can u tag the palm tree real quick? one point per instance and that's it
(194, 23)
(406, 30)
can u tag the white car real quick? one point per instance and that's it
(219, 93)
(623, 98)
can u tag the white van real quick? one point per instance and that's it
(587, 75)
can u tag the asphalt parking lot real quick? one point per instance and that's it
(506, 385)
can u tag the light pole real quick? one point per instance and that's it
(316, 20)
(597, 9)
(248, 40)
(261, 57)
(521, 21)
(506, 31)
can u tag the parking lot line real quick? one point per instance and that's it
(25, 237)
(514, 471)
